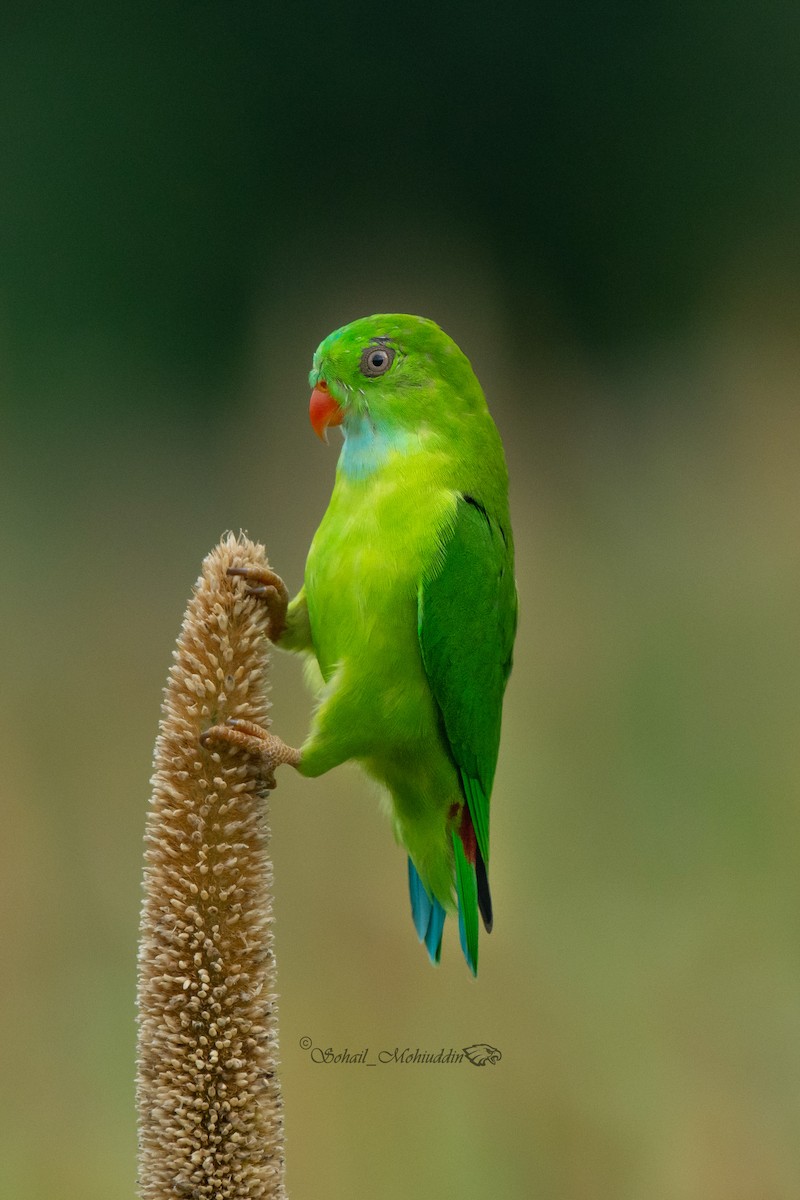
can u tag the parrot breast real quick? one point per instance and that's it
(380, 535)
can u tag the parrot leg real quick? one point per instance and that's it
(266, 747)
(267, 586)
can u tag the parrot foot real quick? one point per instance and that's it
(268, 749)
(267, 586)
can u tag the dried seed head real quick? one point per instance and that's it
(210, 1118)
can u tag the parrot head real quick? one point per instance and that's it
(387, 373)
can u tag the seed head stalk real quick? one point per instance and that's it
(209, 1104)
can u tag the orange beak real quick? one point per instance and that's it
(323, 410)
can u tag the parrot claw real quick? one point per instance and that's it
(267, 586)
(268, 749)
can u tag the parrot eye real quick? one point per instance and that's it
(376, 360)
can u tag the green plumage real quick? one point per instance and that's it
(409, 604)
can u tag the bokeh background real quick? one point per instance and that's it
(601, 203)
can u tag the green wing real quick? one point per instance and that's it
(467, 615)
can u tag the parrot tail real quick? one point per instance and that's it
(472, 853)
(467, 893)
(472, 888)
(428, 914)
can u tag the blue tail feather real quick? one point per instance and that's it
(428, 914)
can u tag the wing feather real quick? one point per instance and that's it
(467, 614)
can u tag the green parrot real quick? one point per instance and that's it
(409, 605)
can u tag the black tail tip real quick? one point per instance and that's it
(484, 895)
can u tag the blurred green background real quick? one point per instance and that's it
(601, 203)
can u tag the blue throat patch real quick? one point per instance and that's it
(367, 446)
